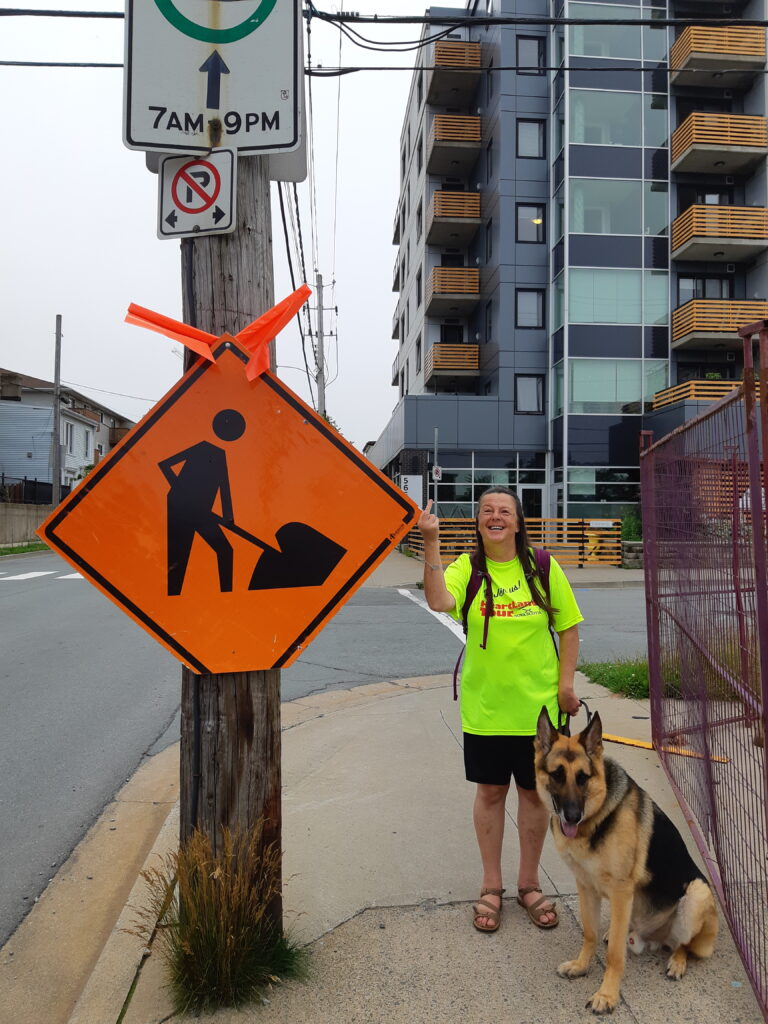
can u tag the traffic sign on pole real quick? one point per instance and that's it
(232, 522)
(200, 74)
(196, 195)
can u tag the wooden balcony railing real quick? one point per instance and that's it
(456, 204)
(456, 128)
(454, 281)
(728, 40)
(720, 222)
(719, 130)
(694, 391)
(715, 316)
(443, 358)
(457, 55)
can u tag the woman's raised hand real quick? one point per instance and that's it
(429, 524)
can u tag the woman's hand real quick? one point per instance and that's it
(428, 524)
(567, 699)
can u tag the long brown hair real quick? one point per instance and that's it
(539, 593)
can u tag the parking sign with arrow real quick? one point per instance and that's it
(213, 73)
(197, 195)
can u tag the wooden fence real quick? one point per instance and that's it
(573, 542)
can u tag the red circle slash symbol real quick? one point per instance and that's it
(196, 186)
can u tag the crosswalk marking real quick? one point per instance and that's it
(27, 575)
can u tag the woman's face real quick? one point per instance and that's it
(497, 519)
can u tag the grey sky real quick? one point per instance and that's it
(80, 212)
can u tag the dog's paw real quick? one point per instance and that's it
(603, 1002)
(676, 966)
(572, 969)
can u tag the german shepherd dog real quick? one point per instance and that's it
(620, 846)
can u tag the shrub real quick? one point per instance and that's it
(631, 527)
(213, 923)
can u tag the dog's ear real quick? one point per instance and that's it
(592, 737)
(545, 734)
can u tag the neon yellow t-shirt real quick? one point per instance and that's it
(504, 686)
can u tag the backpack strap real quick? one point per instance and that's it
(543, 559)
(477, 579)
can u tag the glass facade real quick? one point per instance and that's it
(611, 285)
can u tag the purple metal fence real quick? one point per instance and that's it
(703, 493)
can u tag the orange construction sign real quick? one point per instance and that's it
(232, 522)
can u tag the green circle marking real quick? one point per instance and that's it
(215, 35)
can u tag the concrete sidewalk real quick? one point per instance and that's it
(381, 868)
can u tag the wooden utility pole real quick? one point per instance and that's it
(230, 723)
(56, 432)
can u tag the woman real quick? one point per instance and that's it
(504, 685)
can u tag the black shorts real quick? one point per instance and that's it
(493, 760)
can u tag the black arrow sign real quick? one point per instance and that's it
(171, 219)
(214, 67)
(218, 213)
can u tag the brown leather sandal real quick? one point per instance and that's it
(536, 909)
(492, 912)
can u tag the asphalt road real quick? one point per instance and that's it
(86, 695)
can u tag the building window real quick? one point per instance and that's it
(419, 155)
(604, 40)
(489, 161)
(703, 288)
(419, 220)
(418, 288)
(488, 241)
(530, 139)
(530, 223)
(600, 206)
(88, 444)
(605, 296)
(402, 165)
(531, 55)
(418, 355)
(488, 321)
(419, 87)
(69, 437)
(451, 334)
(529, 394)
(529, 307)
(606, 118)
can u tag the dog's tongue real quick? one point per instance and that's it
(569, 831)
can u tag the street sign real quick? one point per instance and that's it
(232, 522)
(437, 473)
(200, 74)
(196, 195)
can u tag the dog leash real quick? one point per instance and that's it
(564, 720)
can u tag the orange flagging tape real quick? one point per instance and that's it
(256, 336)
(197, 340)
(667, 750)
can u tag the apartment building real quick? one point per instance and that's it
(580, 230)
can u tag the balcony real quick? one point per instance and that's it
(694, 391)
(451, 361)
(719, 143)
(396, 275)
(395, 371)
(396, 229)
(396, 323)
(455, 73)
(116, 435)
(453, 218)
(706, 323)
(721, 234)
(454, 144)
(452, 291)
(724, 57)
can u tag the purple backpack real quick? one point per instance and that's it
(477, 579)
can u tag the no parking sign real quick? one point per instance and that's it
(197, 195)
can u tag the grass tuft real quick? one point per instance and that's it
(20, 549)
(214, 930)
(628, 677)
